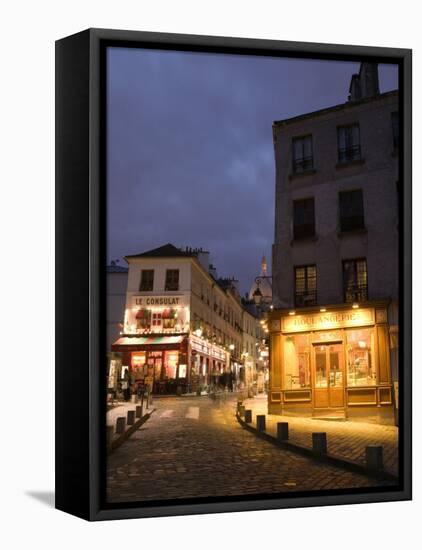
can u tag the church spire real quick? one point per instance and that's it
(263, 266)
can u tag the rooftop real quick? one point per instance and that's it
(339, 107)
(170, 251)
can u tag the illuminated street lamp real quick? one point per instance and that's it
(257, 296)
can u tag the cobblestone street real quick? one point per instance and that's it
(194, 447)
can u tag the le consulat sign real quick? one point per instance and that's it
(144, 301)
(328, 320)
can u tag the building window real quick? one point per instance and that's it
(169, 317)
(172, 279)
(156, 319)
(296, 362)
(360, 363)
(305, 285)
(396, 128)
(348, 143)
(303, 218)
(351, 210)
(143, 319)
(147, 280)
(302, 154)
(355, 280)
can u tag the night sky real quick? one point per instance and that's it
(190, 156)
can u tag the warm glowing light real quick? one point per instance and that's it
(262, 321)
(231, 346)
(271, 306)
(355, 306)
(362, 344)
(292, 312)
(323, 309)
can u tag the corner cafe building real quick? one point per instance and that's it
(158, 350)
(331, 364)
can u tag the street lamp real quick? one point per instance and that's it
(257, 296)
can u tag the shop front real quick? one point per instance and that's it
(155, 363)
(208, 363)
(331, 363)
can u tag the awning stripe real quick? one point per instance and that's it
(147, 340)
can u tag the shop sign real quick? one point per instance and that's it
(157, 300)
(329, 320)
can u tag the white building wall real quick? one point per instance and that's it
(116, 299)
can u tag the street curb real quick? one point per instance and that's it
(117, 441)
(331, 459)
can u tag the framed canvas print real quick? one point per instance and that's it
(233, 274)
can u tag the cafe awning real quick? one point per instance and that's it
(128, 342)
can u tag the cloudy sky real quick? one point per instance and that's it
(190, 156)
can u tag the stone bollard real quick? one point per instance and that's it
(374, 458)
(110, 433)
(260, 422)
(248, 416)
(282, 431)
(242, 410)
(319, 443)
(139, 413)
(130, 418)
(120, 425)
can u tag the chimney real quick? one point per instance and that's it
(366, 83)
(213, 272)
(369, 83)
(203, 258)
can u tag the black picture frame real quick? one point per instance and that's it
(80, 273)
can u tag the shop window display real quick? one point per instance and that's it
(296, 353)
(360, 363)
(170, 362)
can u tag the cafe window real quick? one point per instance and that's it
(156, 319)
(169, 318)
(302, 154)
(348, 138)
(171, 359)
(147, 280)
(305, 285)
(296, 362)
(143, 319)
(303, 218)
(172, 279)
(355, 280)
(360, 360)
(351, 210)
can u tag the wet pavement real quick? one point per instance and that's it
(194, 447)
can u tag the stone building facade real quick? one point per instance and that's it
(183, 325)
(334, 329)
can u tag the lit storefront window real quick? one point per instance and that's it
(296, 361)
(171, 359)
(360, 363)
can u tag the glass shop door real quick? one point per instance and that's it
(328, 375)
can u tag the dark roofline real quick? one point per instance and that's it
(166, 251)
(339, 107)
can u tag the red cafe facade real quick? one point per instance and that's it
(159, 351)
